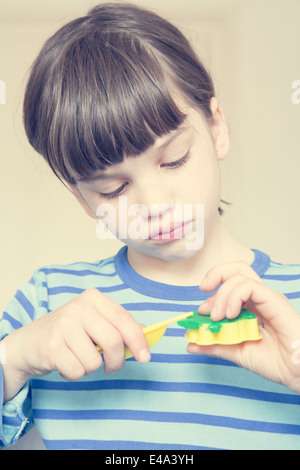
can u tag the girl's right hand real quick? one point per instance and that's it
(64, 340)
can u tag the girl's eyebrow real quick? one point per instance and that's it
(164, 145)
(173, 136)
(102, 176)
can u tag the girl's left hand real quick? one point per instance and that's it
(277, 355)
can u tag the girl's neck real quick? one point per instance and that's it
(219, 247)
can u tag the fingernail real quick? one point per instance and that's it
(203, 283)
(144, 355)
(228, 311)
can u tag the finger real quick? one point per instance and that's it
(228, 352)
(220, 307)
(221, 273)
(233, 353)
(110, 340)
(206, 306)
(126, 325)
(268, 305)
(260, 299)
(271, 305)
(84, 349)
(113, 348)
(68, 365)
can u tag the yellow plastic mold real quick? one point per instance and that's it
(203, 331)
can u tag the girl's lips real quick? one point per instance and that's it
(175, 231)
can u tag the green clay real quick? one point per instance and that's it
(196, 320)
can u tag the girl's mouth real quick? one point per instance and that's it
(172, 232)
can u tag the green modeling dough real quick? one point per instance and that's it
(196, 320)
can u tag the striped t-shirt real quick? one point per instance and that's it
(176, 401)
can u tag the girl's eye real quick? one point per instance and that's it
(172, 165)
(115, 193)
(177, 163)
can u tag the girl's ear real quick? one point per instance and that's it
(82, 201)
(219, 130)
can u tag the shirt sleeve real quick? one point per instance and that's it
(28, 303)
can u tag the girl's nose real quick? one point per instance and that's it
(155, 199)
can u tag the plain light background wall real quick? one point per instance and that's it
(252, 48)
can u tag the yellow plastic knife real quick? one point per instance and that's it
(154, 332)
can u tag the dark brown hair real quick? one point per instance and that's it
(98, 89)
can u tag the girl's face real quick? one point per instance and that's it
(164, 202)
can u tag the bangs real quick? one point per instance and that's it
(104, 99)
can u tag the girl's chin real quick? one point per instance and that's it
(175, 250)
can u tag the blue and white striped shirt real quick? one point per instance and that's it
(176, 401)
